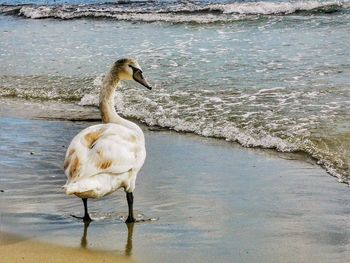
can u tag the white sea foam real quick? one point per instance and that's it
(46, 12)
(270, 8)
(154, 112)
(270, 90)
(211, 115)
(89, 100)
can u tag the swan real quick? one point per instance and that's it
(105, 157)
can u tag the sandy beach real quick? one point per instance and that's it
(15, 249)
(214, 202)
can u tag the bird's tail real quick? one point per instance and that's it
(83, 189)
(70, 188)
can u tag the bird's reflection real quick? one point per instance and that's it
(83, 242)
(128, 245)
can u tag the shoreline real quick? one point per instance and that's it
(90, 114)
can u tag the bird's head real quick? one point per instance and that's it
(129, 69)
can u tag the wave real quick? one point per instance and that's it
(210, 113)
(43, 88)
(270, 118)
(151, 12)
(273, 8)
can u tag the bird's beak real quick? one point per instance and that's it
(137, 76)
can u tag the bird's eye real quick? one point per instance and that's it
(135, 70)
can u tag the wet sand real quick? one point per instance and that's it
(216, 201)
(16, 249)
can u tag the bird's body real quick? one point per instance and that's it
(105, 157)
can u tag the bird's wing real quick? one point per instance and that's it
(104, 148)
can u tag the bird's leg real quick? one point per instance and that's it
(86, 217)
(130, 199)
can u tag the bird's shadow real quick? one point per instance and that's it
(128, 245)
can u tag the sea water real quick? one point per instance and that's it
(268, 74)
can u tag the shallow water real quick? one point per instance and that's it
(269, 74)
(213, 200)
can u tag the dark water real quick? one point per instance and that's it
(269, 74)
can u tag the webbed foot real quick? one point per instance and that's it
(85, 218)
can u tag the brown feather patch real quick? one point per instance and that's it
(87, 194)
(99, 153)
(92, 137)
(68, 159)
(66, 163)
(74, 168)
(71, 151)
(132, 138)
(105, 164)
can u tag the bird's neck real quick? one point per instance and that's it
(107, 91)
(107, 109)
